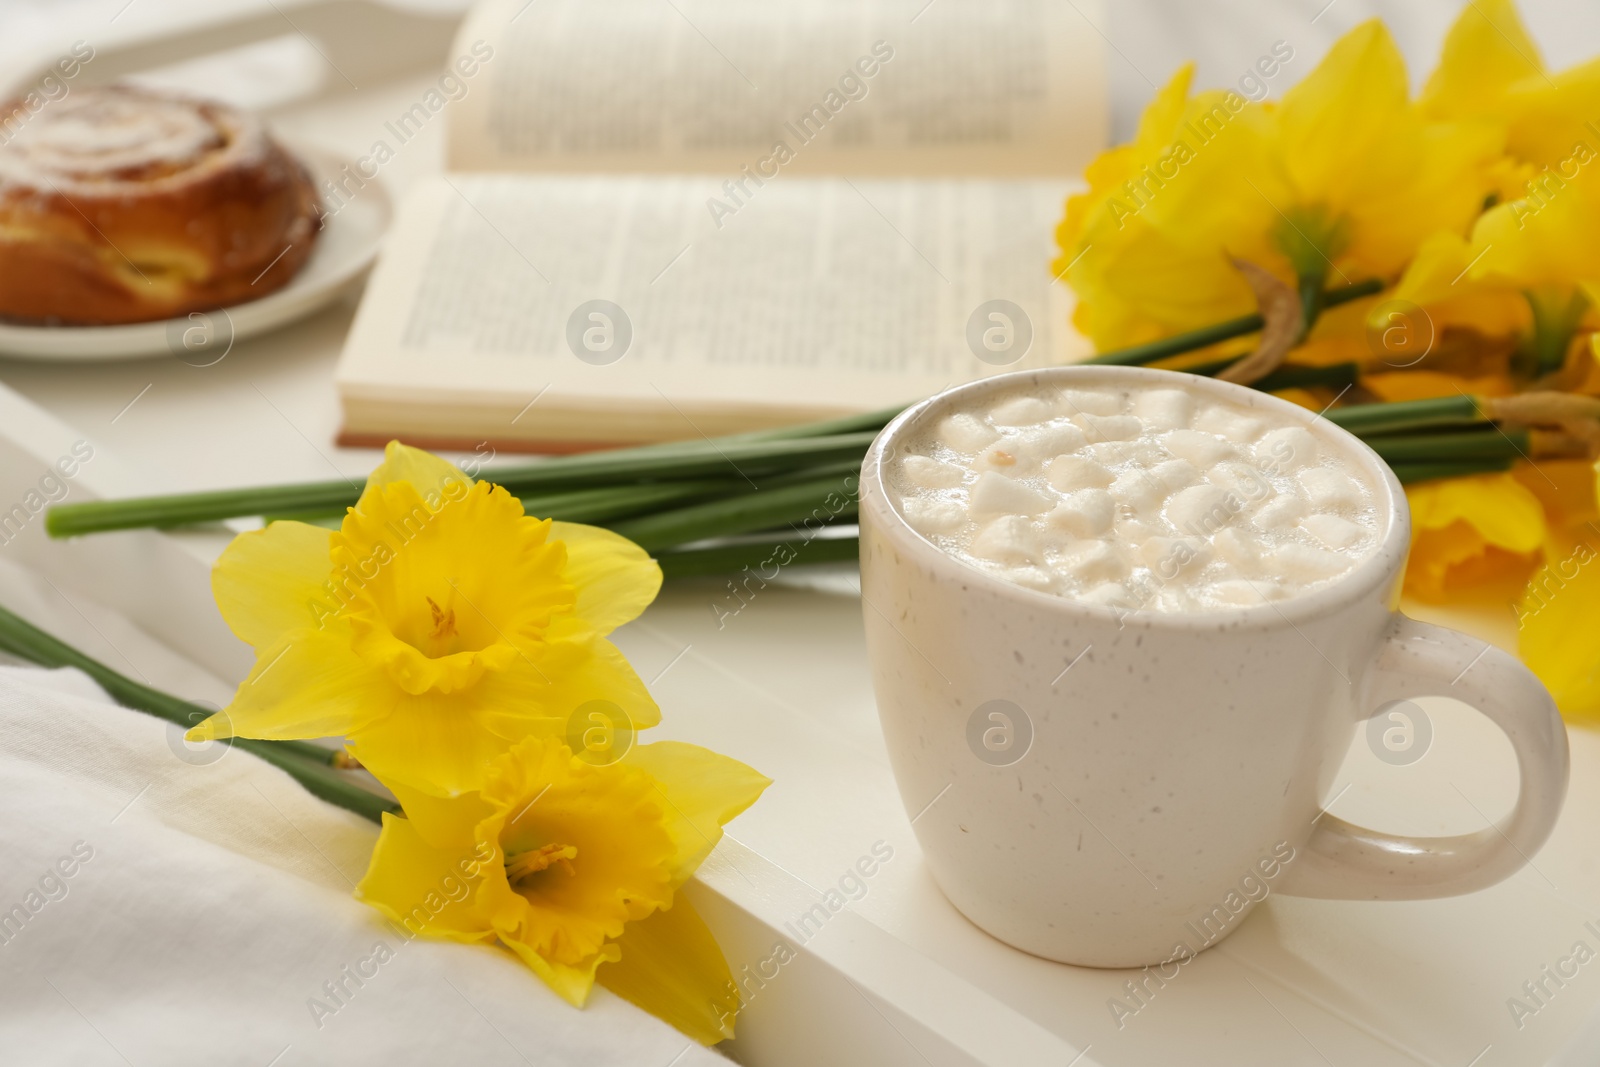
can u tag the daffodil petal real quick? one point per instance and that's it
(1486, 52)
(615, 579)
(1343, 108)
(573, 983)
(306, 684)
(672, 967)
(424, 470)
(1498, 506)
(442, 822)
(426, 890)
(1557, 638)
(701, 791)
(1471, 530)
(270, 582)
(568, 675)
(433, 743)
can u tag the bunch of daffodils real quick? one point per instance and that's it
(454, 641)
(1465, 221)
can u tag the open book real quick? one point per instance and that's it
(666, 220)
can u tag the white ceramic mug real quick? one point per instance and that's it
(1115, 788)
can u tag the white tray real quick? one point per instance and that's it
(897, 977)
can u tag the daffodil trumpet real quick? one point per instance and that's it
(313, 766)
(574, 865)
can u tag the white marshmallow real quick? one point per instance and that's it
(1236, 426)
(1132, 531)
(1031, 578)
(966, 433)
(1164, 409)
(1329, 490)
(1008, 539)
(1168, 557)
(1279, 512)
(1238, 549)
(1333, 531)
(1172, 598)
(1202, 449)
(1040, 443)
(1086, 513)
(995, 494)
(1109, 427)
(1288, 448)
(1175, 474)
(1108, 595)
(1242, 480)
(1120, 453)
(1000, 456)
(933, 515)
(931, 473)
(1020, 411)
(1242, 592)
(1085, 402)
(1140, 490)
(1092, 561)
(1067, 473)
(1202, 510)
(1302, 565)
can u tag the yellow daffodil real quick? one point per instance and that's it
(1391, 386)
(435, 627)
(1541, 243)
(1490, 69)
(1470, 530)
(1556, 636)
(575, 866)
(1338, 183)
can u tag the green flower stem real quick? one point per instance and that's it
(682, 460)
(1411, 473)
(305, 762)
(26, 641)
(1288, 376)
(1557, 313)
(1365, 420)
(321, 780)
(762, 555)
(1313, 295)
(1467, 446)
(596, 505)
(1176, 345)
(872, 421)
(799, 502)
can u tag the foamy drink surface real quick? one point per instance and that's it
(1138, 499)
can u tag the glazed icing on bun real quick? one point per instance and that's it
(125, 205)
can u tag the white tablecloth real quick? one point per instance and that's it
(167, 904)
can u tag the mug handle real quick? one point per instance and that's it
(1342, 861)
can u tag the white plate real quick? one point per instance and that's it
(345, 249)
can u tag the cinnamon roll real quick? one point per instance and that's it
(122, 205)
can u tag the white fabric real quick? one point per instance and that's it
(213, 905)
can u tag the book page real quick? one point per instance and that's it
(630, 310)
(1004, 88)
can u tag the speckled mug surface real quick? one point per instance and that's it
(1118, 788)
